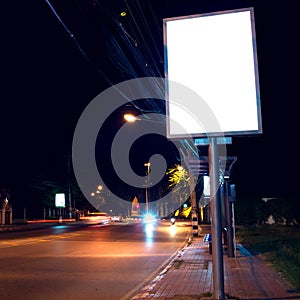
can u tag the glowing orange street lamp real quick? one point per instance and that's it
(130, 118)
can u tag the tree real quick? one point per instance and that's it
(179, 183)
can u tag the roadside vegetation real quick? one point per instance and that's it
(277, 244)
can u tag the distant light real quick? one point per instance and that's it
(123, 14)
(148, 218)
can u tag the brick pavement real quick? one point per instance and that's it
(189, 276)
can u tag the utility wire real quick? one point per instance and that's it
(72, 36)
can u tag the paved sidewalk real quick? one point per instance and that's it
(189, 276)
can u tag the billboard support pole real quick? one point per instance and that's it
(216, 221)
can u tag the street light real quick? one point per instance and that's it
(147, 184)
(130, 118)
(98, 191)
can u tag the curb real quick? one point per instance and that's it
(145, 292)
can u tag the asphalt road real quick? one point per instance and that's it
(89, 262)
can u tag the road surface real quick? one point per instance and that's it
(85, 262)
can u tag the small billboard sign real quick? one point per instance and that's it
(60, 200)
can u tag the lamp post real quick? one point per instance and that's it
(131, 119)
(147, 185)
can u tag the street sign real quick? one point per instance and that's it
(220, 141)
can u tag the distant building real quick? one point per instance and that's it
(135, 207)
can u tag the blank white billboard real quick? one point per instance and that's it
(206, 184)
(60, 200)
(212, 86)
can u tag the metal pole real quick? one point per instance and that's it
(230, 245)
(232, 200)
(69, 186)
(233, 224)
(216, 224)
(147, 184)
(147, 208)
(194, 205)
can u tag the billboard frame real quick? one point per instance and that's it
(217, 133)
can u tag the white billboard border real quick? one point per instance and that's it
(257, 87)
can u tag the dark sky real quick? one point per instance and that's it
(48, 78)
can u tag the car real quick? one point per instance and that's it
(96, 218)
(116, 218)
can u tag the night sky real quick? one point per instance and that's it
(49, 77)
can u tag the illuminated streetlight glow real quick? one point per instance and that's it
(98, 191)
(130, 118)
